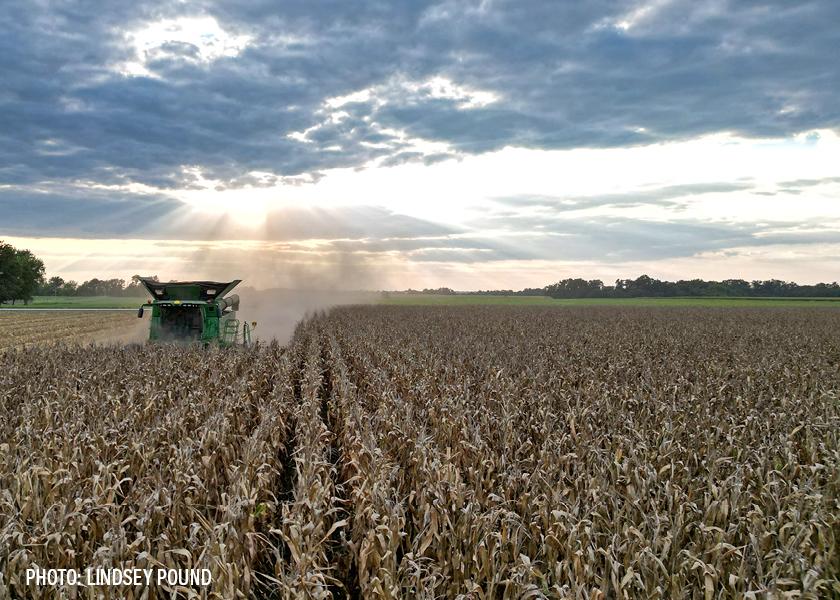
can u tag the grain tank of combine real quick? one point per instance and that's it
(195, 311)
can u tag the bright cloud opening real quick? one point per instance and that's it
(198, 40)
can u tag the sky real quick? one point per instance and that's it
(387, 145)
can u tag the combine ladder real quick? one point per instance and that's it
(230, 333)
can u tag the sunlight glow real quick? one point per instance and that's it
(721, 179)
(457, 191)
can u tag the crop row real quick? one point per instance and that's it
(481, 452)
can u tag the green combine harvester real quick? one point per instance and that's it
(195, 311)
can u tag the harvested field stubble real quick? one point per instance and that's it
(24, 327)
(437, 452)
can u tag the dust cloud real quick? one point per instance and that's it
(135, 333)
(278, 311)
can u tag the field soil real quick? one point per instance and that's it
(439, 452)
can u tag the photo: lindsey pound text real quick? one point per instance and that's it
(113, 577)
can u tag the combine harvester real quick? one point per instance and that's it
(195, 311)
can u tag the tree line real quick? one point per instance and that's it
(646, 287)
(22, 277)
(56, 286)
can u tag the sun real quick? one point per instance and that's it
(246, 205)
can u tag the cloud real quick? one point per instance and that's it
(796, 187)
(659, 196)
(807, 183)
(621, 239)
(139, 92)
(119, 120)
(347, 222)
(73, 212)
(87, 212)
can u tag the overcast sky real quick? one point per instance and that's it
(393, 144)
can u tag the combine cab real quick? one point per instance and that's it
(195, 311)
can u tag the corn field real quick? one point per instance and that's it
(438, 452)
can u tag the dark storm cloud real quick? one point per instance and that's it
(563, 75)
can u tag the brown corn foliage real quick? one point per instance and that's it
(455, 452)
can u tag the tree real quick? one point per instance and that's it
(30, 275)
(576, 288)
(136, 289)
(69, 288)
(113, 287)
(53, 287)
(8, 272)
(21, 274)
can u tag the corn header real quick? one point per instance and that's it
(195, 311)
